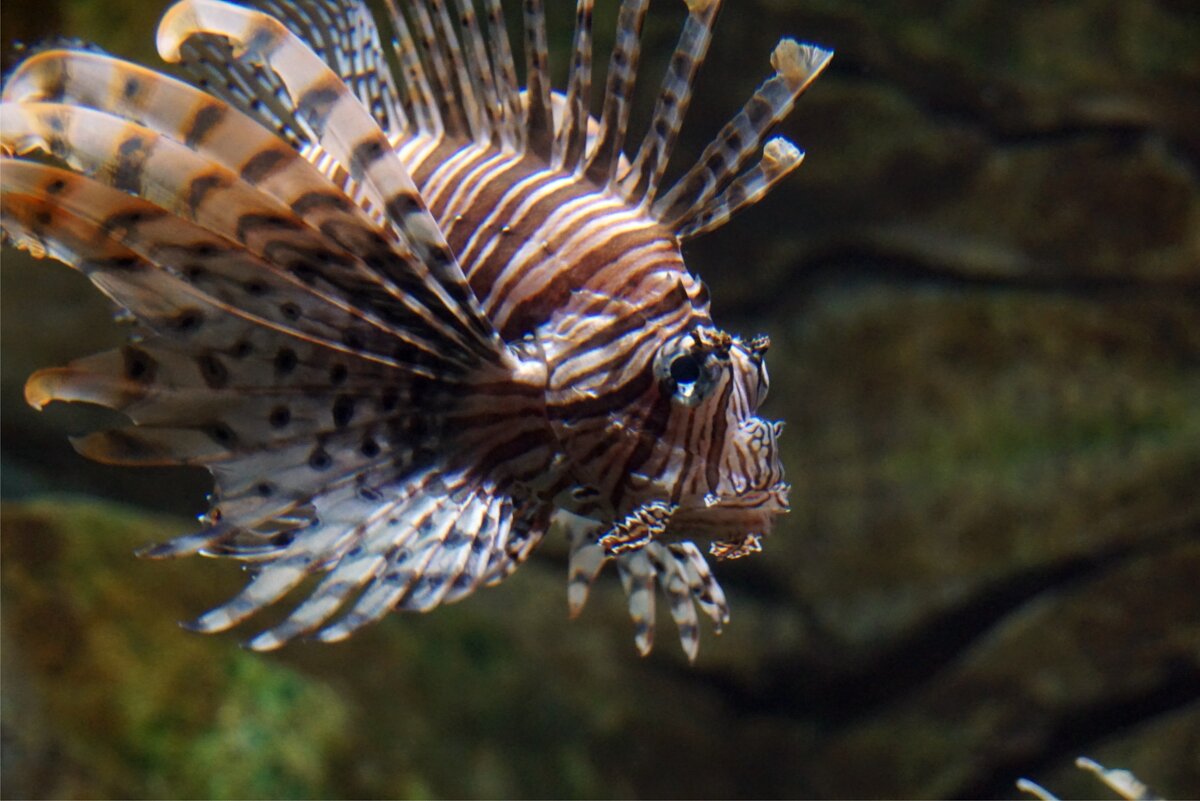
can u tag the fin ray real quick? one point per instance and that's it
(796, 66)
(605, 158)
(348, 133)
(641, 183)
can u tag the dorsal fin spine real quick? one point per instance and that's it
(480, 69)
(380, 72)
(435, 55)
(779, 158)
(571, 142)
(641, 184)
(537, 80)
(471, 103)
(418, 91)
(602, 166)
(201, 58)
(796, 66)
(505, 72)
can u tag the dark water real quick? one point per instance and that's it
(983, 289)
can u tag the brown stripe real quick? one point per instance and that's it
(206, 118)
(312, 201)
(650, 430)
(250, 222)
(131, 161)
(689, 452)
(670, 301)
(555, 294)
(127, 221)
(317, 104)
(631, 346)
(200, 186)
(712, 472)
(485, 273)
(262, 164)
(597, 406)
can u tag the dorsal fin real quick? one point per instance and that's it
(641, 184)
(344, 35)
(418, 91)
(468, 96)
(537, 80)
(437, 63)
(796, 66)
(253, 90)
(779, 158)
(622, 71)
(479, 69)
(505, 71)
(571, 142)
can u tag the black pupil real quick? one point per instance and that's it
(685, 370)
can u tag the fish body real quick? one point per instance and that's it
(409, 321)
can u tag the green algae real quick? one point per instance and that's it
(139, 708)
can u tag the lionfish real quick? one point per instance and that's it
(410, 319)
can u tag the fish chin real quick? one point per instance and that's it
(732, 524)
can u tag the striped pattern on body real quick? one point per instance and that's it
(403, 319)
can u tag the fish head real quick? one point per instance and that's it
(666, 414)
(725, 472)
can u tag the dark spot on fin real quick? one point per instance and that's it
(200, 187)
(131, 160)
(202, 124)
(188, 320)
(366, 153)
(139, 366)
(280, 417)
(222, 434)
(285, 361)
(316, 105)
(319, 459)
(343, 411)
(262, 164)
(213, 370)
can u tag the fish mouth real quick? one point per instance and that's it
(773, 499)
(725, 517)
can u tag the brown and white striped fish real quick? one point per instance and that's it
(410, 320)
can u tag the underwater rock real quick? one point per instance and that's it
(1114, 645)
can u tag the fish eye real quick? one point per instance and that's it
(689, 369)
(685, 369)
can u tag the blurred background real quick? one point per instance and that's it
(983, 290)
